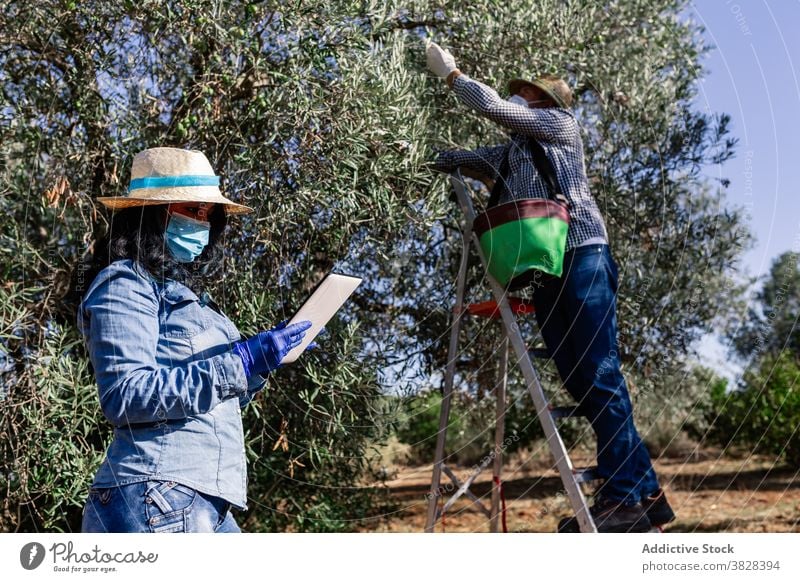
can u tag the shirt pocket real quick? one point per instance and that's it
(181, 314)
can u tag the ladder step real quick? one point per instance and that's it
(491, 310)
(586, 474)
(565, 412)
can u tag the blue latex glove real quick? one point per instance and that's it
(263, 352)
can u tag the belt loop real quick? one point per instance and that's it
(155, 493)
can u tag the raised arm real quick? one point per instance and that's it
(122, 335)
(545, 124)
(549, 124)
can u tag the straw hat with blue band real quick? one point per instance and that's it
(555, 88)
(170, 175)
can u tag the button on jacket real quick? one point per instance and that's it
(558, 132)
(168, 382)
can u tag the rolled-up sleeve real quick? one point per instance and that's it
(121, 327)
(546, 124)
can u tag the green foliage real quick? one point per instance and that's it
(771, 323)
(51, 432)
(470, 431)
(676, 408)
(275, 96)
(764, 415)
(421, 424)
(309, 439)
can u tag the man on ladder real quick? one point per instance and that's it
(576, 312)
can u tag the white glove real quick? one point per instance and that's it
(440, 62)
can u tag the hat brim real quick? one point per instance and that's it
(153, 196)
(516, 85)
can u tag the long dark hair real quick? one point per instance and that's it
(138, 233)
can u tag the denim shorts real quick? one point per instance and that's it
(155, 507)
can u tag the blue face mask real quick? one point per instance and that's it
(186, 237)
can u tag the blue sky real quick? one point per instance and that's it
(754, 75)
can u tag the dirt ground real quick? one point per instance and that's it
(708, 493)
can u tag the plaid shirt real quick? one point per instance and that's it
(557, 130)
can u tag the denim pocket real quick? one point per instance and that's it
(168, 505)
(98, 497)
(101, 495)
(613, 271)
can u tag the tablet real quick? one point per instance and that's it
(324, 302)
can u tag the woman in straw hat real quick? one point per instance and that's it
(172, 370)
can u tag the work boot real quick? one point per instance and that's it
(611, 517)
(657, 508)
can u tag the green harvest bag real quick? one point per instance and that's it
(521, 236)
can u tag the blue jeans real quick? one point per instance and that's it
(578, 321)
(155, 507)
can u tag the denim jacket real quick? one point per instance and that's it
(168, 382)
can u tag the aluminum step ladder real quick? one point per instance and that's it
(508, 308)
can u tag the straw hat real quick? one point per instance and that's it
(167, 175)
(555, 88)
